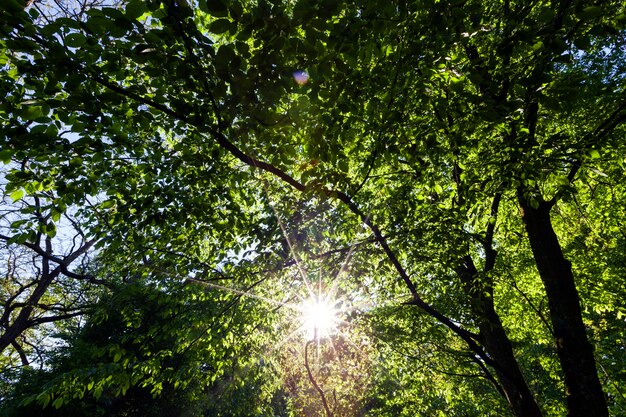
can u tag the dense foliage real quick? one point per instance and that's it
(179, 175)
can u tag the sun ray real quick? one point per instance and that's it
(343, 268)
(245, 293)
(289, 244)
(295, 333)
(318, 318)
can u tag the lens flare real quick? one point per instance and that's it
(319, 319)
(301, 77)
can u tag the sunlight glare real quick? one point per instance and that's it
(319, 319)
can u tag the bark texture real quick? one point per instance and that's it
(496, 342)
(583, 389)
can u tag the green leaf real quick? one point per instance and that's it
(99, 24)
(18, 223)
(220, 26)
(533, 203)
(594, 154)
(50, 230)
(33, 12)
(58, 403)
(590, 12)
(224, 60)
(214, 7)
(33, 112)
(55, 215)
(583, 42)
(75, 40)
(17, 195)
(13, 7)
(51, 28)
(135, 9)
(5, 156)
(546, 14)
(44, 399)
(97, 393)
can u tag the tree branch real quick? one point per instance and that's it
(227, 145)
(20, 352)
(617, 117)
(313, 381)
(50, 319)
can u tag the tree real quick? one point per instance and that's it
(447, 145)
(40, 288)
(138, 353)
(39, 285)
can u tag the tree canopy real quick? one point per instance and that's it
(181, 177)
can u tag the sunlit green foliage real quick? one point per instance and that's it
(397, 153)
(157, 351)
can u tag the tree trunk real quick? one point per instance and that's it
(584, 392)
(497, 343)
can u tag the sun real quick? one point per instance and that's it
(319, 318)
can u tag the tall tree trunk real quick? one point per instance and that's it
(584, 392)
(496, 342)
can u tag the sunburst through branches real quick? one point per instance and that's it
(324, 361)
(319, 318)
